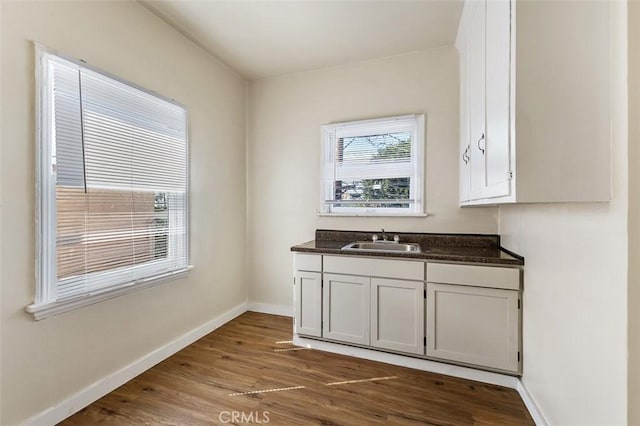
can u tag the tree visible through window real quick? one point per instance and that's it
(383, 148)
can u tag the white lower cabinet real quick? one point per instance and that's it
(307, 295)
(374, 302)
(471, 313)
(308, 303)
(474, 324)
(346, 308)
(397, 315)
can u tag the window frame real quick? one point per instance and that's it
(418, 182)
(44, 304)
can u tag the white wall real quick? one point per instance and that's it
(285, 115)
(634, 213)
(0, 220)
(575, 286)
(47, 361)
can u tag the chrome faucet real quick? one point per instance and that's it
(384, 235)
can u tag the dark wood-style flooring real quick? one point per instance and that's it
(248, 372)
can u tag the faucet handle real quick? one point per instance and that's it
(396, 238)
(374, 238)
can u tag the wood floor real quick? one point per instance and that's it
(248, 372)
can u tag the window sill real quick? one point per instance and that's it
(46, 310)
(373, 214)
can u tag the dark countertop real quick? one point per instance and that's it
(471, 248)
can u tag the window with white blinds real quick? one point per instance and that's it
(113, 167)
(373, 167)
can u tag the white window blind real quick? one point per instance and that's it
(373, 167)
(113, 184)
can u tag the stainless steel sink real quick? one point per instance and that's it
(385, 246)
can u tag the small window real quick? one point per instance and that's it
(373, 167)
(112, 187)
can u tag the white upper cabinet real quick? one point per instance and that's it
(495, 162)
(534, 101)
(477, 96)
(465, 159)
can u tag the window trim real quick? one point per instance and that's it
(419, 159)
(45, 208)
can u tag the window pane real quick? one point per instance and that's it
(108, 229)
(378, 193)
(373, 166)
(383, 150)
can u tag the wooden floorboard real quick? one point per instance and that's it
(240, 369)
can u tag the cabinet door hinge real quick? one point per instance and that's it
(425, 340)
(425, 294)
(518, 303)
(510, 175)
(294, 281)
(518, 356)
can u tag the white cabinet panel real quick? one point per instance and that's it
(346, 304)
(307, 262)
(496, 149)
(488, 99)
(375, 267)
(477, 93)
(397, 315)
(473, 325)
(465, 165)
(308, 303)
(478, 276)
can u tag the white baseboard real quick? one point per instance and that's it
(75, 403)
(531, 405)
(415, 363)
(267, 308)
(433, 367)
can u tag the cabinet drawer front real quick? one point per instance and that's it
(400, 269)
(307, 262)
(478, 276)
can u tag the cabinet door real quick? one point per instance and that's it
(496, 148)
(345, 308)
(477, 96)
(473, 325)
(308, 303)
(465, 168)
(397, 315)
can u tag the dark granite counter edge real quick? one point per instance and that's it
(517, 261)
(424, 239)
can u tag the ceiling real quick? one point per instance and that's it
(265, 38)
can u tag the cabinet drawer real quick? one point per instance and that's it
(307, 262)
(478, 276)
(399, 269)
